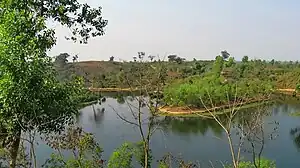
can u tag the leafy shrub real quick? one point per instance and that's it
(190, 92)
(121, 157)
(264, 163)
(86, 151)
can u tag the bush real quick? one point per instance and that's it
(189, 92)
(264, 163)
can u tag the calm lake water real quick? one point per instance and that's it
(193, 138)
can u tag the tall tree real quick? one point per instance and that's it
(62, 67)
(111, 58)
(230, 62)
(31, 97)
(218, 65)
(225, 54)
(151, 57)
(245, 59)
(172, 58)
(272, 62)
(141, 55)
(61, 60)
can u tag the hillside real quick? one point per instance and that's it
(109, 74)
(113, 74)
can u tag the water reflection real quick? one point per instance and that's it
(190, 125)
(119, 94)
(98, 115)
(295, 133)
(121, 100)
(200, 131)
(196, 125)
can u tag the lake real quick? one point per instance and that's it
(192, 138)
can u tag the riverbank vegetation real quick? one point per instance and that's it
(216, 87)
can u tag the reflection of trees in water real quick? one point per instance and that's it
(121, 100)
(98, 115)
(131, 98)
(121, 97)
(196, 125)
(190, 125)
(287, 104)
(78, 116)
(295, 133)
(118, 94)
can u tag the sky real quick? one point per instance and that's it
(261, 29)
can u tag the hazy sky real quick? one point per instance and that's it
(198, 29)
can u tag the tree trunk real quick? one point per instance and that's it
(146, 153)
(14, 149)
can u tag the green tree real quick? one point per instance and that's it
(230, 62)
(61, 60)
(31, 97)
(111, 58)
(172, 58)
(225, 54)
(64, 69)
(121, 157)
(218, 65)
(199, 68)
(245, 59)
(86, 151)
(298, 88)
(179, 60)
(272, 62)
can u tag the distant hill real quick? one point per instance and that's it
(109, 73)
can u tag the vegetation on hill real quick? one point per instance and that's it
(218, 87)
(112, 74)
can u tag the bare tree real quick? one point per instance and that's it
(151, 57)
(253, 126)
(225, 54)
(141, 55)
(144, 113)
(230, 111)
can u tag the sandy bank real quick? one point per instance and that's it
(286, 90)
(187, 110)
(112, 89)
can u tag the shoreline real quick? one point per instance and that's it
(180, 111)
(185, 110)
(287, 90)
(112, 89)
